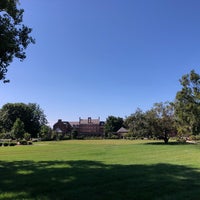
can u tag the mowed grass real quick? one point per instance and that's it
(100, 169)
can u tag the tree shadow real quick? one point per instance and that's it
(169, 143)
(82, 179)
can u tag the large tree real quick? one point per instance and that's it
(14, 35)
(113, 124)
(187, 104)
(137, 124)
(164, 121)
(157, 122)
(30, 114)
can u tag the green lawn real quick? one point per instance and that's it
(100, 170)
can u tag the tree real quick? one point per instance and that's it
(187, 104)
(113, 124)
(164, 121)
(31, 114)
(137, 123)
(18, 129)
(14, 35)
(45, 132)
(157, 122)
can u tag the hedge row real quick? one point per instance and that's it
(14, 143)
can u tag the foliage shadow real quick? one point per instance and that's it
(83, 179)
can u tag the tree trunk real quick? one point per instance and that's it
(166, 139)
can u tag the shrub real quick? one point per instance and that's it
(30, 143)
(66, 137)
(181, 140)
(114, 137)
(27, 136)
(5, 144)
(195, 137)
(13, 143)
(23, 142)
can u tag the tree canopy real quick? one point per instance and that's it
(156, 122)
(30, 114)
(187, 104)
(113, 124)
(14, 35)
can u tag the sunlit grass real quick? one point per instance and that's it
(100, 169)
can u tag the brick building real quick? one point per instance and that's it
(87, 127)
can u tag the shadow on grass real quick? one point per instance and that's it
(96, 181)
(169, 143)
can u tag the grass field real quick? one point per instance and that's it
(100, 169)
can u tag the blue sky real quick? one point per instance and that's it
(104, 57)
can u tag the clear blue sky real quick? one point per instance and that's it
(104, 57)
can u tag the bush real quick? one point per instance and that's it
(114, 137)
(5, 144)
(66, 137)
(181, 140)
(13, 143)
(23, 142)
(27, 136)
(30, 143)
(195, 137)
(80, 137)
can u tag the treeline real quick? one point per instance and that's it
(180, 118)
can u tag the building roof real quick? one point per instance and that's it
(74, 123)
(122, 130)
(89, 121)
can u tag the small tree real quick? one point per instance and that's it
(18, 129)
(45, 132)
(27, 136)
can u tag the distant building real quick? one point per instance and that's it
(63, 127)
(122, 132)
(86, 127)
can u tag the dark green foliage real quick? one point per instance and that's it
(157, 122)
(23, 142)
(15, 36)
(113, 124)
(74, 134)
(137, 123)
(5, 144)
(12, 143)
(30, 114)
(18, 129)
(45, 132)
(187, 105)
(27, 136)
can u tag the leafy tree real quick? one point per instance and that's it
(158, 122)
(45, 132)
(113, 124)
(137, 123)
(27, 136)
(14, 35)
(31, 114)
(187, 104)
(164, 121)
(18, 129)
